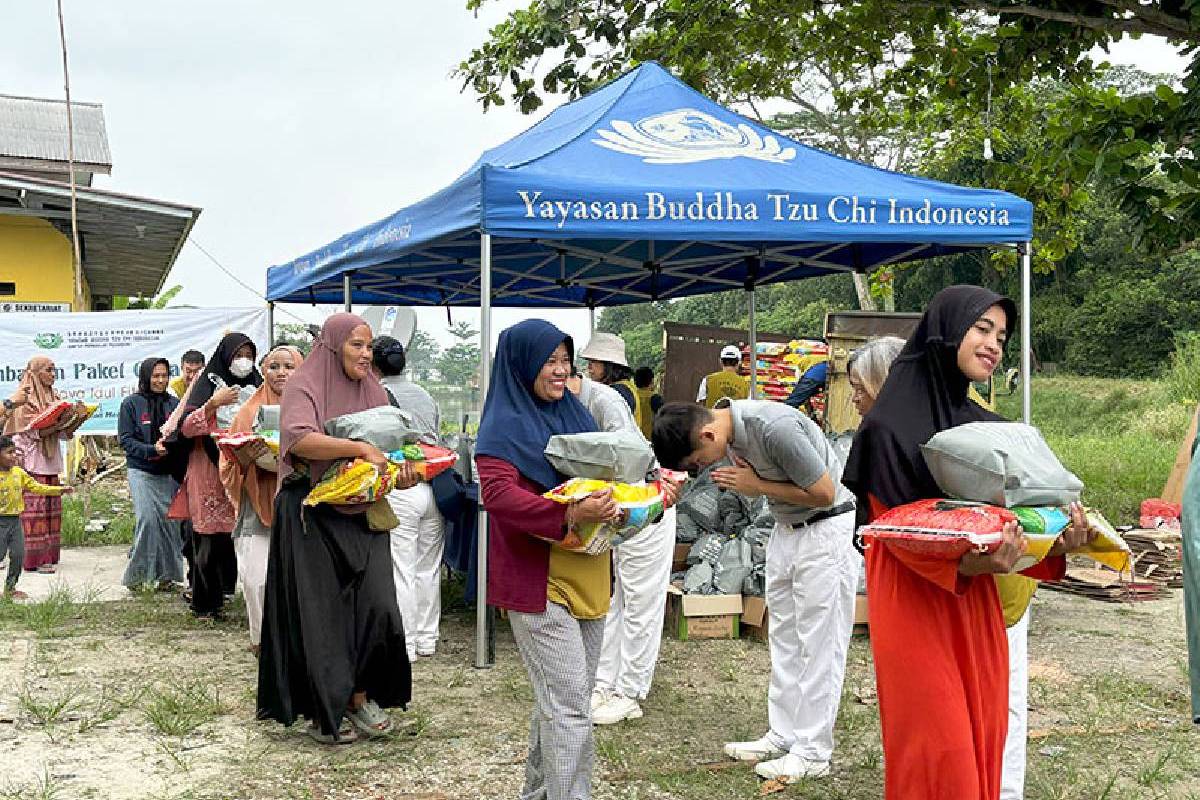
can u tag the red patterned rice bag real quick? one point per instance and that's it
(940, 528)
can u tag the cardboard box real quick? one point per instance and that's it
(860, 613)
(702, 616)
(755, 619)
(679, 559)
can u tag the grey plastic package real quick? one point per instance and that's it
(386, 427)
(1002, 463)
(621, 456)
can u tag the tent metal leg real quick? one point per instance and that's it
(270, 325)
(753, 344)
(1026, 343)
(591, 319)
(347, 291)
(485, 653)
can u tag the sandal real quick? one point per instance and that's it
(370, 719)
(344, 735)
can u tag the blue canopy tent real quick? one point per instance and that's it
(647, 190)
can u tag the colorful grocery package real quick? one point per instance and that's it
(1045, 523)
(641, 506)
(50, 415)
(230, 443)
(1108, 547)
(352, 482)
(427, 460)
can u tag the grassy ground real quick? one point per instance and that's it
(1118, 436)
(135, 700)
(107, 502)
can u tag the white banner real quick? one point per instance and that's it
(97, 354)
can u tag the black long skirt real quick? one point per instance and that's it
(331, 626)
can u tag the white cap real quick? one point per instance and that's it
(605, 347)
(731, 351)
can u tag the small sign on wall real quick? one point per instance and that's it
(12, 307)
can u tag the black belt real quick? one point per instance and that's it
(836, 511)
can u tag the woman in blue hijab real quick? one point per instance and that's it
(557, 599)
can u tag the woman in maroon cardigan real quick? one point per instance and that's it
(557, 599)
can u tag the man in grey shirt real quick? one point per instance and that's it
(812, 567)
(418, 541)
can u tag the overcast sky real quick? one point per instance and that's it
(289, 123)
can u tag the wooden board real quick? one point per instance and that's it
(1173, 490)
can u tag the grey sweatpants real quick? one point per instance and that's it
(560, 654)
(12, 543)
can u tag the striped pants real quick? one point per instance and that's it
(560, 654)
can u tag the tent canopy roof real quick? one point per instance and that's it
(647, 190)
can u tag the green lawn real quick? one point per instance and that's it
(1118, 436)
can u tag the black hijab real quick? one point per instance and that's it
(203, 386)
(159, 403)
(218, 366)
(924, 393)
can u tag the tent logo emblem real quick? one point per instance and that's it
(687, 136)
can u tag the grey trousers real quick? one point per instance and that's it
(12, 542)
(560, 654)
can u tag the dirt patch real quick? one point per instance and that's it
(132, 700)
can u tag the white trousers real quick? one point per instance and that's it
(252, 553)
(417, 545)
(811, 573)
(1012, 779)
(634, 625)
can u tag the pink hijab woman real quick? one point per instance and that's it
(332, 637)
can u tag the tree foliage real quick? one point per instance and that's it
(422, 355)
(887, 63)
(121, 302)
(296, 334)
(459, 363)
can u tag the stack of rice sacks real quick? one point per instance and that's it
(780, 366)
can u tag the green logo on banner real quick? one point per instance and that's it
(48, 341)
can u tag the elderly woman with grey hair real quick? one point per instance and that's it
(868, 369)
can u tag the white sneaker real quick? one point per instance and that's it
(792, 768)
(618, 709)
(426, 650)
(600, 696)
(758, 750)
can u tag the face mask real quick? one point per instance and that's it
(241, 367)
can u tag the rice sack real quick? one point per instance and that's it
(940, 528)
(641, 505)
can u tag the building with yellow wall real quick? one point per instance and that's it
(36, 263)
(127, 244)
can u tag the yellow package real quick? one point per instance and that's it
(352, 483)
(1108, 547)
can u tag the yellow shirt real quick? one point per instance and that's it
(645, 411)
(14, 483)
(1016, 593)
(720, 385)
(580, 582)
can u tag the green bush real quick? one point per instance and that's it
(1182, 377)
(1118, 436)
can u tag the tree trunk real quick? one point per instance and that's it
(862, 285)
